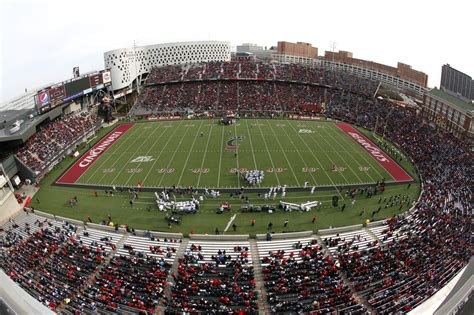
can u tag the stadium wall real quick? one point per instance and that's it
(127, 64)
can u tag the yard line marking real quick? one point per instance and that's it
(251, 145)
(220, 159)
(109, 156)
(76, 171)
(172, 157)
(118, 159)
(268, 152)
(205, 153)
(131, 156)
(232, 218)
(392, 167)
(301, 157)
(162, 150)
(322, 168)
(237, 159)
(189, 154)
(347, 140)
(328, 156)
(342, 157)
(148, 152)
(284, 154)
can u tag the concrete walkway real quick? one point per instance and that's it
(18, 300)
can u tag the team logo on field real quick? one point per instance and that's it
(305, 131)
(142, 159)
(232, 142)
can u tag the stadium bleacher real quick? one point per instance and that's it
(411, 257)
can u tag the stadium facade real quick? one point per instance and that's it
(127, 64)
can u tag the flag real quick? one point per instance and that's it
(139, 184)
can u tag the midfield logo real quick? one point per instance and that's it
(142, 159)
(232, 142)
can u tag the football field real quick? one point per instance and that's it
(204, 154)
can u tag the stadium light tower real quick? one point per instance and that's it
(135, 60)
(333, 46)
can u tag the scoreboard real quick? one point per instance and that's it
(67, 91)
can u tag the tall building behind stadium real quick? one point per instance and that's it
(456, 82)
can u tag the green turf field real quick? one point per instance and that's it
(144, 214)
(196, 153)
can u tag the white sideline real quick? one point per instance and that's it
(232, 218)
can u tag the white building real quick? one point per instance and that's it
(126, 64)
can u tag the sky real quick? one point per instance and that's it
(41, 41)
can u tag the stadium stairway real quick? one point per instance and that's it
(359, 299)
(258, 276)
(174, 268)
(374, 236)
(323, 246)
(61, 309)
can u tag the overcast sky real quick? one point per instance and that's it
(41, 41)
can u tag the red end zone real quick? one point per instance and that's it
(81, 165)
(390, 165)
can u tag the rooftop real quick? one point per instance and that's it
(465, 106)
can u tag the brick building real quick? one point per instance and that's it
(402, 71)
(299, 49)
(449, 112)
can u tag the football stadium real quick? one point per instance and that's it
(196, 178)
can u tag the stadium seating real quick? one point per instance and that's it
(214, 277)
(411, 257)
(299, 277)
(49, 143)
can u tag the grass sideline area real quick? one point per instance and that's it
(144, 214)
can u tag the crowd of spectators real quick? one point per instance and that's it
(431, 246)
(432, 242)
(246, 86)
(249, 96)
(220, 284)
(127, 284)
(305, 282)
(251, 70)
(50, 264)
(50, 141)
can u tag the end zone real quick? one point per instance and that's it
(81, 165)
(392, 167)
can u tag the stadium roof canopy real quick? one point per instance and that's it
(459, 103)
